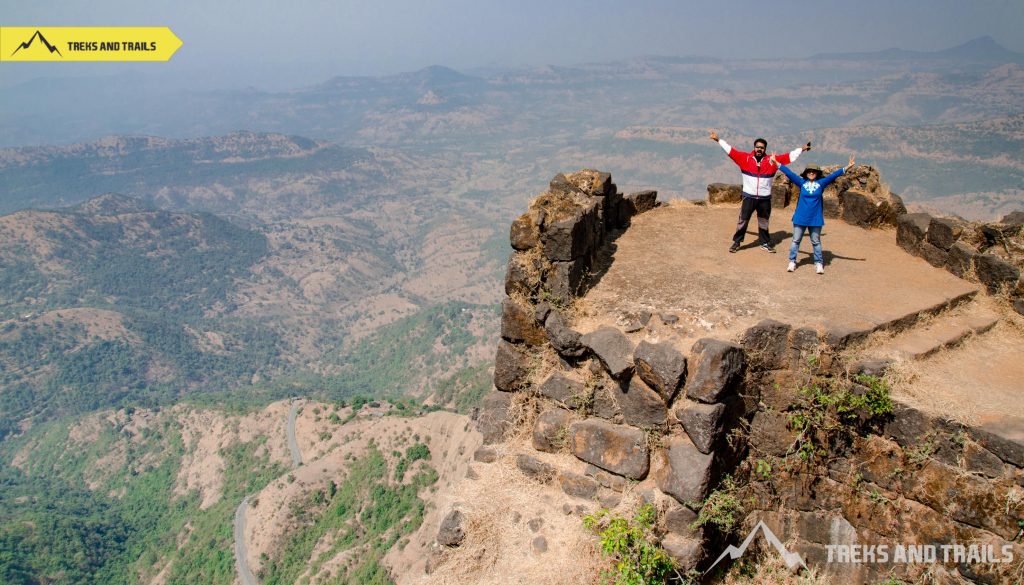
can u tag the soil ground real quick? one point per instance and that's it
(674, 259)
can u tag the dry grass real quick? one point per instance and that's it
(498, 506)
(770, 570)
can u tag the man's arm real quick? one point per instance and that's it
(786, 171)
(734, 154)
(791, 156)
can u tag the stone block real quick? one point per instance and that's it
(639, 404)
(551, 430)
(933, 255)
(661, 366)
(535, 468)
(685, 473)
(564, 390)
(911, 229)
(494, 420)
(766, 344)
(562, 337)
(519, 323)
(960, 260)
(703, 423)
(578, 486)
(613, 348)
(525, 231)
(615, 448)
(944, 232)
(512, 365)
(523, 275)
(566, 280)
(994, 272)
(724, 193)
(716, 370)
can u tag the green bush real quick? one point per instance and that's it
(629, 543)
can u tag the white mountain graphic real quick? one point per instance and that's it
(791, 559)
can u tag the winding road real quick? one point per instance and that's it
(245, 574)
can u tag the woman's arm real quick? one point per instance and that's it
(786, 171)
(836, 174)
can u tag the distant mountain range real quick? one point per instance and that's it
(984, 49)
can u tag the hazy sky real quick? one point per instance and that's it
(256, 41)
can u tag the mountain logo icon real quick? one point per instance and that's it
(42, 40)
(792, 560)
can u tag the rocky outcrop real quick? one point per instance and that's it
(991, 253)
(858, 197)
(673, 422)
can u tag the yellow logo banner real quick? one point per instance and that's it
(87, 43)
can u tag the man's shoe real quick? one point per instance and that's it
(819, 268)
(768, 248)
(791, 267)
(734, 247)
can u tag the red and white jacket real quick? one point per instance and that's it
(757, 176)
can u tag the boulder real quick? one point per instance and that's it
(685, 473)
(640, 406)
(525, 231)
(1013, 218)
(550, 431)
(716, 369)
(943, 232)
(994, 272)
(615, 448)
(960, 260)
(512, 367)
(724, 193)
(494, 420)
(519, 323)
(661, 366)
(539, 545)
(703, 423)
(563, 338)
(578, 486)
(911, 229)
(534, 468)
(613, 348)
(767, 343)
(564, 390)
(859, 208)
(452, 532)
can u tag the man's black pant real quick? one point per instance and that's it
(763, 207)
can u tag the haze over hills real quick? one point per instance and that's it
(230, 248)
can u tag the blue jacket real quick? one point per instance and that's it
(808, 206)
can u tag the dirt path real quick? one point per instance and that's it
(245, 574)
(293, 445)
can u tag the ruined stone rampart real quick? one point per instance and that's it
(670, 423)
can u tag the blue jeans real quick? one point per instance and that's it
(798, 234)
